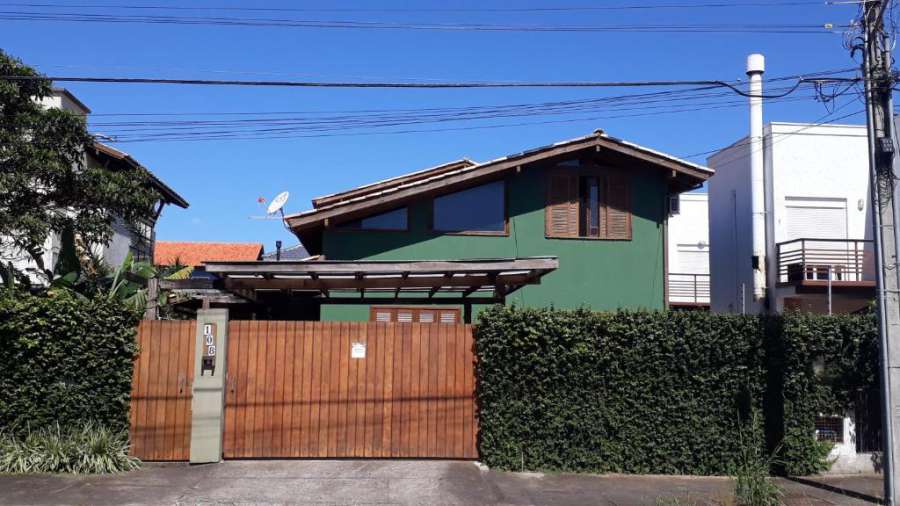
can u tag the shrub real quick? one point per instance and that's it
(85, 449)
(636, 392)
(752, 484)
(65, 360)
(844, 349)
(658, 392)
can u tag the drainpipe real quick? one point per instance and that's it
(756, 65)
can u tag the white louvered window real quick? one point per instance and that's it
(400, 314)
(816, 218)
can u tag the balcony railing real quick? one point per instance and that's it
(840, 260)
(688, 289)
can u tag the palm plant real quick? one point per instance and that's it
(129, 282)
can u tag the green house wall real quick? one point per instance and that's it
(599, 274)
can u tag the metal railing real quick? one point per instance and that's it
(688, 288)
(838, 260)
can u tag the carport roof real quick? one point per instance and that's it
(421, 281)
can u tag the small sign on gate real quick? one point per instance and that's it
(358, 350)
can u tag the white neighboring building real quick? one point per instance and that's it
(688, 253)
(817, 221)
(139, 240)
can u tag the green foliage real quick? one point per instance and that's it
(826, 363)
(46, 185)
(127, 283)
(636, 392)
(657, 392)
(88, 448)
(752, 484)
(65, 360)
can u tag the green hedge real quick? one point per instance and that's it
(822, 364)
(66, 360)
(658, 392)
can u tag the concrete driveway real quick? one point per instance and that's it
(393, 482)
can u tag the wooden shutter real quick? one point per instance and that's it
(561, 211)
(618, 206)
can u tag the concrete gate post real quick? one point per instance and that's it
(208, 403)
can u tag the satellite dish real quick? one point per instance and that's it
(278, 202)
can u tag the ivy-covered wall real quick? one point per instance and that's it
(65, 359)
(821, 364)
(662, 392)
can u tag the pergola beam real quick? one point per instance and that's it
(369, 268)
(298, 283)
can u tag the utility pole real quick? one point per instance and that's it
(878, 74)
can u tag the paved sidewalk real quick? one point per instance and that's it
(395, 482)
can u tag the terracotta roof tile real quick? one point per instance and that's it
(195, 253)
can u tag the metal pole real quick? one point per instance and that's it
(756, 66)
(743, 298)
(883, 221)
(829, 290)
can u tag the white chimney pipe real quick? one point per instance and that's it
(756, 66)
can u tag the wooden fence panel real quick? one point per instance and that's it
(161, 390)
(295, 390)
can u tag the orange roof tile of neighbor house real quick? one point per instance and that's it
(195, 253)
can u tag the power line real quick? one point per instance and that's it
(621, 7)
(347, 130)
(382, 25)
(403, 85)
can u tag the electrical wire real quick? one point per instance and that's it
(306, 131)
(419, 85)
(383, 25)
(625, 7)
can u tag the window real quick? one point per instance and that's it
(830, 428)
(391, 220)
(386, 314)
(588, 202)
(481, 209)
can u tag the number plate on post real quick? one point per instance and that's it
(208, 360)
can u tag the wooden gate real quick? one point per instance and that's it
(302, 389)
(161, 390)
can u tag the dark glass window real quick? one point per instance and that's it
(590, 206)
(391, 220)
(478, 209)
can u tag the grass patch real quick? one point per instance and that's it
(752, 484)
(85, 449)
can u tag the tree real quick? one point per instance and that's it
(46, 184)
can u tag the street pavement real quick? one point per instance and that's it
(431, 482)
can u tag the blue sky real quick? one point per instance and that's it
(223, 179)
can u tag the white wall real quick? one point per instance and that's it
(730, 227)
(689, 234)
(688, 249)
(822, 167)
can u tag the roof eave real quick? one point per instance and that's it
(169, 195)
(315, 218)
